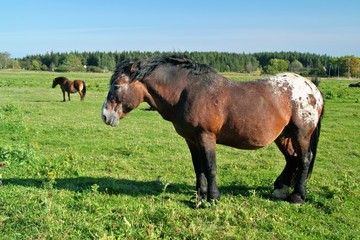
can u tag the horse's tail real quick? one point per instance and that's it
(83, 90)
(314, 140)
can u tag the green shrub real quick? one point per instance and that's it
(69, 68)
(336, 93)
(94, 69)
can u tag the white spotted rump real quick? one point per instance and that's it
(303, 92)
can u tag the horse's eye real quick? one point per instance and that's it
(116, 87)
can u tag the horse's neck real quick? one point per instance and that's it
(64, 82)
(163, 98)
(166, 93)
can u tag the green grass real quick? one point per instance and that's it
(69, 176)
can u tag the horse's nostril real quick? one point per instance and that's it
(103, 117)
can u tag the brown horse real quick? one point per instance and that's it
(70, 87)
(206, 108)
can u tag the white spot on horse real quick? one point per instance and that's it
(303, 92)
(120, 88)
(104, 110)
(109, 117)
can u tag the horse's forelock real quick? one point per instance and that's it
(122, 67)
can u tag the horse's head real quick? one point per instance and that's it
(124, 94)
(59, 80)
(55, 82)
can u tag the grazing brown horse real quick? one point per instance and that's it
(70, 87)
(206, 108)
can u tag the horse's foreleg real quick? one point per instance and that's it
(207, 151)
(63, 91)
(68, 95)
(201, 188)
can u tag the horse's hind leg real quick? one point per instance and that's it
(302, 173)
(286, 178)
(298, 158)
(81, 96)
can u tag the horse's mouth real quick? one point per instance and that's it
(114, 124)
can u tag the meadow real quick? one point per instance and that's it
(66, 175)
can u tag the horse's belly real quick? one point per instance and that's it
(243, 143)
(251, 138)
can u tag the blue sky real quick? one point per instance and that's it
(317, 26)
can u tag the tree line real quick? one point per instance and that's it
(307, 64)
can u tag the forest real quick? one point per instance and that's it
(307, 64)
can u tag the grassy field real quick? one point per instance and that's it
(69, 176)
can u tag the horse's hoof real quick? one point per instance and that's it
(213, 196)
(280, 194)
(296, 198)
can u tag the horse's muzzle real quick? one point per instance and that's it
(109, 117)
(112, 121)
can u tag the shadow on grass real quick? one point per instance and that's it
(133, 187)
(103, 185)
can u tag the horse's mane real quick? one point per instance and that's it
(139, 69)
(60, 78)
(147, 65)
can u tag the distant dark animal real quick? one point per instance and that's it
(354, 84)
(70, 87)
(208, 109)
